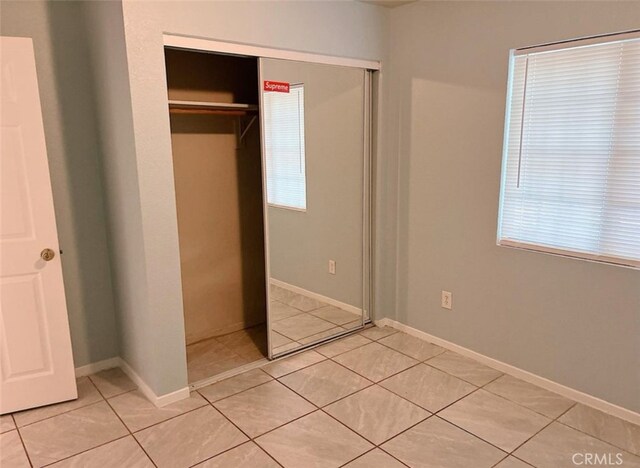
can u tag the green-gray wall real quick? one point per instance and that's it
(138, 166)
(571, 321)
(68, 110)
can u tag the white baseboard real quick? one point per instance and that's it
(159, 401)
(568, 392)
(95, 367)
(319, 297)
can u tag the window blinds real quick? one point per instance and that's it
(571, 170)
(284, 148)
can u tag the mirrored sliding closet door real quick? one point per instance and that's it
(315, 129)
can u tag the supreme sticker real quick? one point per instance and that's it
(276, 86)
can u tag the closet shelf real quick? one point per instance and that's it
(203, 107)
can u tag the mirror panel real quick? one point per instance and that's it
(314, 123)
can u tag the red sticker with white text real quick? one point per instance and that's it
(276, 86)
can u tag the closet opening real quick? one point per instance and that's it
(214, 110)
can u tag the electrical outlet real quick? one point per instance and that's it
(447, 300)
(332, 267)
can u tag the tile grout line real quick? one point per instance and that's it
(509, 453)
(207, 403)
(407, 369)
(573, 403)
(226, 348)
(515, 458)
(358, 457)
(322, 409)
(69, 410)
(324, 358)
(230, 448)
(236, 393)
(371, 384)
(552, 420)
(60, 414)
(123, 423)
(310, 313)
(377, 383)
(317, 408)
(131, 434)
(268, 454)
(350, 429)
(436, 413)
(86, 450)
(393, 456)
(408, 355)
(250, 439)
(324, 341)
(500, 461)
(430, 412)
(426, 362)
(168, 419)
(24, 447)
(297, 340)
(132, 390)
(348, 350)
(478, 388)
(591, 435)
(369, 451)
(393, 332)
(361, 375)
(211, 404)
(555, 419)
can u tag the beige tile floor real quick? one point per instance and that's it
(377, 399)
(208, 358)
(297, 320)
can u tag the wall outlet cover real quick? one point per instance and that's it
(447, 300)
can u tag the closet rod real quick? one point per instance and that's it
(204, 105)
(209, 111)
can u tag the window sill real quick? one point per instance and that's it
(619, 262)
(284, 207)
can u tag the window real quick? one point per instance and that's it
(571, 168)
(284, 148)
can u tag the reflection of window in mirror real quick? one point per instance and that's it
(284, 148)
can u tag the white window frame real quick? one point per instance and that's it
(303, 159)
(533, 247)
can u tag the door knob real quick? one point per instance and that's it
(47, 255)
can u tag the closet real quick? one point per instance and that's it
(215, 134)
(271, 163)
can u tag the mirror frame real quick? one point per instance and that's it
(367, 214)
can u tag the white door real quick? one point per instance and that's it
(36, 364)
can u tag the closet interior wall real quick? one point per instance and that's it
(218, 184)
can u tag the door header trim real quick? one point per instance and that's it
(209, 45)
